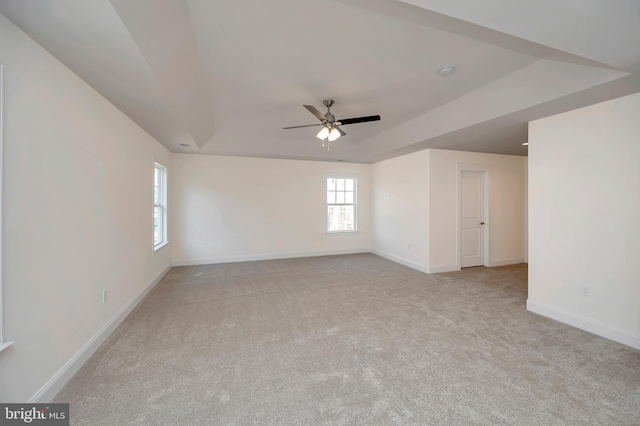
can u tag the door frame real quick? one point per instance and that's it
(486, 249)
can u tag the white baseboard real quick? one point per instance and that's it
(587, 324)
(55, 384)
(444, 268)
(505, 262)
(453, 268)
(250, 258)
(402, 261)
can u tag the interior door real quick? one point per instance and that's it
(472, 219)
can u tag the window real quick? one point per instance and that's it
(159, 206)
(341, 204)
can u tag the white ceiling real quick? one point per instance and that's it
(225, 76)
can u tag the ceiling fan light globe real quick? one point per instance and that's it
(334, 134)
(323, 133)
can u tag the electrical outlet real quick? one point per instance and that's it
(104, 296)
(584, 290)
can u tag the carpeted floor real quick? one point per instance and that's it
(352, 339)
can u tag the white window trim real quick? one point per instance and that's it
(340, 232)
(163, 204)
(3, 344)
(355, 206)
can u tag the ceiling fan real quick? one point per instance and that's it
(330, 130)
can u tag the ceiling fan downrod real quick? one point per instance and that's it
(330, 117)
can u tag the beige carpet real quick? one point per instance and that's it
(351, 339)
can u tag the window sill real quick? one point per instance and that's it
(341, 232)
(5, 345)
(159, 246)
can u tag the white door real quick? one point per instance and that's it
(472, 219)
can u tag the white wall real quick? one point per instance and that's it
(234, 208)
(415, 208)
(526, 210)
(78, 179)
(584, 218)
(400, 212)
(506, 197)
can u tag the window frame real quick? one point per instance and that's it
(161, 204)
(3, 343)
(354, 204)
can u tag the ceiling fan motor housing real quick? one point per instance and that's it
(330, 117)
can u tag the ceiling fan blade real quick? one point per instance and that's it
(313, 110)
(359, 119)
(342, 133)
(306, 125)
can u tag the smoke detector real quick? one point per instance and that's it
(446, 71)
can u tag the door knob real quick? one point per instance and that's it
(481, 223)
